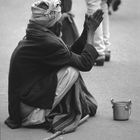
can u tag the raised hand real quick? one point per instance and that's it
(91, 24)
(93, 21)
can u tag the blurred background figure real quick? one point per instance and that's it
(69, 29)
(102, 34)
(113, 5)
(106, 30)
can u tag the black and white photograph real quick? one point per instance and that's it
(69, 70)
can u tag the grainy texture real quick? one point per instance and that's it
(118, 79)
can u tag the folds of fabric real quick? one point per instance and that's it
(76, 104)
(72, 103)
(66, 77)
(69, 31)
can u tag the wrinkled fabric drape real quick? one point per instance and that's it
(66, 77)
(68, 109)
(69, 29)
(76, 104)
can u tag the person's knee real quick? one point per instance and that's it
(73, 71)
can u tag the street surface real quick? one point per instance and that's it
(118, 79)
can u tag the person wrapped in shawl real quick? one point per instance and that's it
(45, 86)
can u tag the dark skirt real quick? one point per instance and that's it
(76, 104)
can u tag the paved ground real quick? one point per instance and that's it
(118, 79)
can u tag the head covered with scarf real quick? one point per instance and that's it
(46, 12)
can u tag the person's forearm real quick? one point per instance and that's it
(90, 37)
(79, 44)
(85, 60)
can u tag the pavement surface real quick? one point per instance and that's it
(118, 79)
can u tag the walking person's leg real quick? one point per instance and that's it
(92, 6)
(106, 31)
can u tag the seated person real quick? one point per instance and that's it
(45, 85)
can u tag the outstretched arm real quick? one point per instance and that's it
(85, 60)
(90, 25)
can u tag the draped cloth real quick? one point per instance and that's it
(76, 104)
(71, 104)
(46, 12)
(69, 29)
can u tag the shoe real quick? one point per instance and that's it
(100, 60)
(116, 4)
(107, 55)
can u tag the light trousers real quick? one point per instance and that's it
(105, 25)
(101, 37)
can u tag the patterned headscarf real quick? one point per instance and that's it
(46, 16)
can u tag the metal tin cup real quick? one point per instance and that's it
(121, 110)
